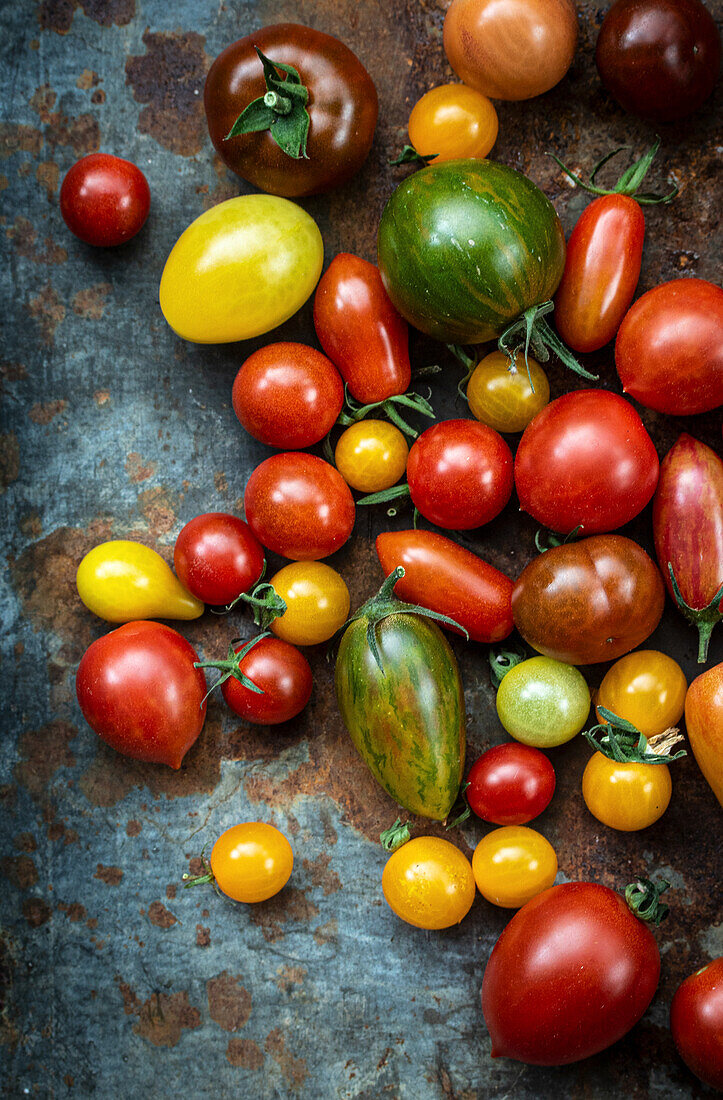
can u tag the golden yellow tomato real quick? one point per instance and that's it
(371, 455)
(512, 865)
(121, 581)
(317, 602)
(501, 396)
(453, 122)
(251, 862)
(647, 688)
(625, 796)
(429, 883)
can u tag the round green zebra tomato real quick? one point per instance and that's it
(543, 702)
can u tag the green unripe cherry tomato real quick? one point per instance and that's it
(543, 702)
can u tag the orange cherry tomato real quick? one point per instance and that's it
(429, 883)
(251, 862)
(454, 122)
(647, 688)
(704, 722)
(502, 397)
(625, 796)
(512, 865)
(371, 455)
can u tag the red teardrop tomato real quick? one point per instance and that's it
(571, 974)
(282, 673)
(669, 350)
(443, 576)
(104, 200)
(139, 691)
(704, 723)
(217, 557)
(460, 474)
(299, 506)
(696, 1021)
(361, 331)
(510, 784)
(585, 460)
(602, 268)
(288, 395)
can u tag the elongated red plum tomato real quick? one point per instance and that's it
(572, 973)
(443, 576)
(288, 395)
(361, 331)
(281, 672)
(340, 110)
(585, 460)
(104, 199)
(510, 784)
(696, 1022)
(589, 601)
(299, 506)
(510, 49)
(139, 691)
(217, 556)
(669, 350)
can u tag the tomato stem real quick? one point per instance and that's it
(643, 898)
(704, 618)
(503, 660)
(409, 155)
(352, 413)
(395, 836)
(281, 110)
(630, 181)
(540, 337)
(465, 812)
(266, 603)
(620, 740)
(231, 667)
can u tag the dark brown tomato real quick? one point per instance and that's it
(589, 601)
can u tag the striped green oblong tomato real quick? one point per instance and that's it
(240, 269)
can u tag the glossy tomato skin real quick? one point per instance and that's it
(586, 460)
(251, 862)
(317, 602)
(514, 50)
(571, 974)
(460, 474)
(696, 1021)
(361, 331)
(217, 556)
(443, 576)
(602, 268)
(704, 723)
(626, 796)
(510, 784)
(299, 506)
(543, 702)
(282, 673)
(453, 122)
(343, 109)
(139, 691)
(506, 398)
(588, 601)
(646, 688)
(429, 883)
(288, 395)
(371, 455)
(513, 864)
(658, 58)
(669, 349)
(104, 200)
(122, 581)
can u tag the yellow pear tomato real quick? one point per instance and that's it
(121, 581)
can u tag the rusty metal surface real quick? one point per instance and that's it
(118, 982)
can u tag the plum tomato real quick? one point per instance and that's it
(543, 702)
(104, 199)
(288, 395)
(279, 673)
(626, 796)
(251, 862)
(510, 784)
(371, 455)
(647, 688)
(452, 122)
(696, 1022)
(429, 883)
(503, 395)
(317, 602)
(217, 557)
(513, 864)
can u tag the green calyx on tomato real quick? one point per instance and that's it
(643, 898)
(352, 412)
(396, 835)
(502, 660)
(547, 540)
(231, 667)
(704, 618)
(539, 336)
(266, 603)
(409, 155)
(620, 740)
(282, 110)
(630, 181)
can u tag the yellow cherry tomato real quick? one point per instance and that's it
(625, 796)
(647, 688)
(453, 122)
(501, 396)
(121, 581)
(512, 865)
(241, 269)
(429, 883)
(251, 862)
(371, 455)
(317, 602)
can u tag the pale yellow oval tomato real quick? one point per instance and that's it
(501, 396)
(647, 688)
(251, 862)
(625, 796)
(317, 602)
(121, 581)
(371, 455)
(241, 269)
(453, 122)
(429, 883)
(512, 865)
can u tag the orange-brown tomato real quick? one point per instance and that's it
(454, 122)
(507, 398)
(429, 883)
(625, 796)
(251, 862)
(647, 688)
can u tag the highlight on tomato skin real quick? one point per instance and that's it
(510, 784)
(428, 883)
(250, 862)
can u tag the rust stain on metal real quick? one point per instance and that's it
(18, 138)
(9, 459)
(229, 1004)
(48, 310)
(293, 1069)
(291, 904)
(169, 79)
(43, 412)
(90, 303)
(36, 912)
(111, 876)
(23, 236)
(245, 1054)
(136, 469)
(162, 1018)
(322, 875)
(203, 936)
(42, 752)
(289, 976)
(133, 828)
(75, 912)
(160, 916)
(57, 15)
(20, 870)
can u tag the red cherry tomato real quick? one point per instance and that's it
(585, 460)
(104, 200)
(217, 557)
(669, 350)
(282, 673)
(139, 690)
(288, 395)
(299, 506)
(571, 973)
(443, 576)
(460, 474)
(361, 331)
(510, 784)
(696, 1021)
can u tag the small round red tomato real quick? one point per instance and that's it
(429, 883)
(504, 396)
(669, 350)
(299, 506)
(512, 865)
(104, 200)
(371, 455)
(288, 395)
(281, 673)
(510, 784)
(586, 461)
(696, 1021)
(140, 691)
(251, 862)
(453, 122)
(646, 688)
(460, 474)
(217, 556)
